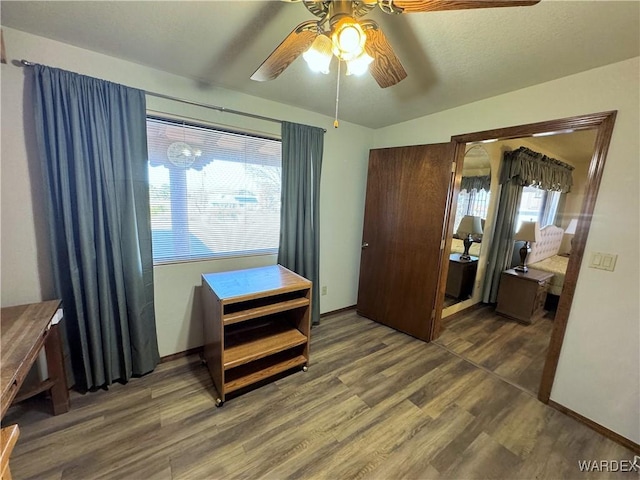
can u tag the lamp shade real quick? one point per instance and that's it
(319, 55)
(359, 65)
(529, 232)
(571, 228)
(348, 39)
(470, 225)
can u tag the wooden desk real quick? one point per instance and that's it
(25, 330)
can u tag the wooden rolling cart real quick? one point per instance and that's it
(256, 325)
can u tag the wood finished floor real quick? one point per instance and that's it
(512, 350)
(375, 403)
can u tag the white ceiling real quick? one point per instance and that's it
(576, 148)
(452, 57)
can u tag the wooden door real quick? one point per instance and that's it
(407, 194)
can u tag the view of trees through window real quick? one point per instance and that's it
(212, 193)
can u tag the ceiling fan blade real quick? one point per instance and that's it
(386, 67)
(296, 43)
(414, 6)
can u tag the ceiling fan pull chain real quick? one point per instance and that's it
(335, 122)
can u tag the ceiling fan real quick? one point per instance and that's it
(359, 43)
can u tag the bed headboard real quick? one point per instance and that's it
(548, 246)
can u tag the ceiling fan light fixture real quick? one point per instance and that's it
(348, 39)
(319, 55)
(359, 65)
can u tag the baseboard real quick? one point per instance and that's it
(465, 311)
(335, 312)
(616, 437)
(186, 353)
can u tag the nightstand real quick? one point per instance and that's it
(521, 296)
(461, 276)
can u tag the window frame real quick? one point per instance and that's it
(544, 211)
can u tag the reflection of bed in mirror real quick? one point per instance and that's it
(544, 256)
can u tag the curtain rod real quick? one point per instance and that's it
(27, 63)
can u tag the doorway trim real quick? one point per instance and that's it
(603, 124)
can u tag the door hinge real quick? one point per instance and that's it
(433, 314)
(442, 242)
(453, 167)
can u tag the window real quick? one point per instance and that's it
(538, 205)
(474, 203)
(212, 193)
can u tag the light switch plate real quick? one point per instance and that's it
(603, 261)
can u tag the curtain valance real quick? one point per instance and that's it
(530, 168)
(481, 182)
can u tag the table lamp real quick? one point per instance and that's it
(469, 226)
(571, 230)
(528, 232)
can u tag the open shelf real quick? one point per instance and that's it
(262, 369)
(249, 345)
(263, 310)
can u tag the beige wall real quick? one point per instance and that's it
(26, 273)
(599, 371)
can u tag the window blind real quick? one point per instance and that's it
(212, 193)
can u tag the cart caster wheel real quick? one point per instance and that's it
(203, 361)
(219, 402)
(305, 368)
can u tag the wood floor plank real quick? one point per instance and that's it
(374, 404)
(485, 458)
(424, 446)
(518, 433)
(512, 350)
(514, 366)
(490, 395)
(368, 447)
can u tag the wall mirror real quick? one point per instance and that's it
(471, 213)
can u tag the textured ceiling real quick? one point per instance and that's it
(452, 57)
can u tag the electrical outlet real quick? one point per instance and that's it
(323, 291)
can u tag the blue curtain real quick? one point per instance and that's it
(302, 148)
(501, 252)
(91, 138)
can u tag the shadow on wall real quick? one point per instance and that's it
(196, 331)
(195, 317)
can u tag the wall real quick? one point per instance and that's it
(26, 275)
(599, 371)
